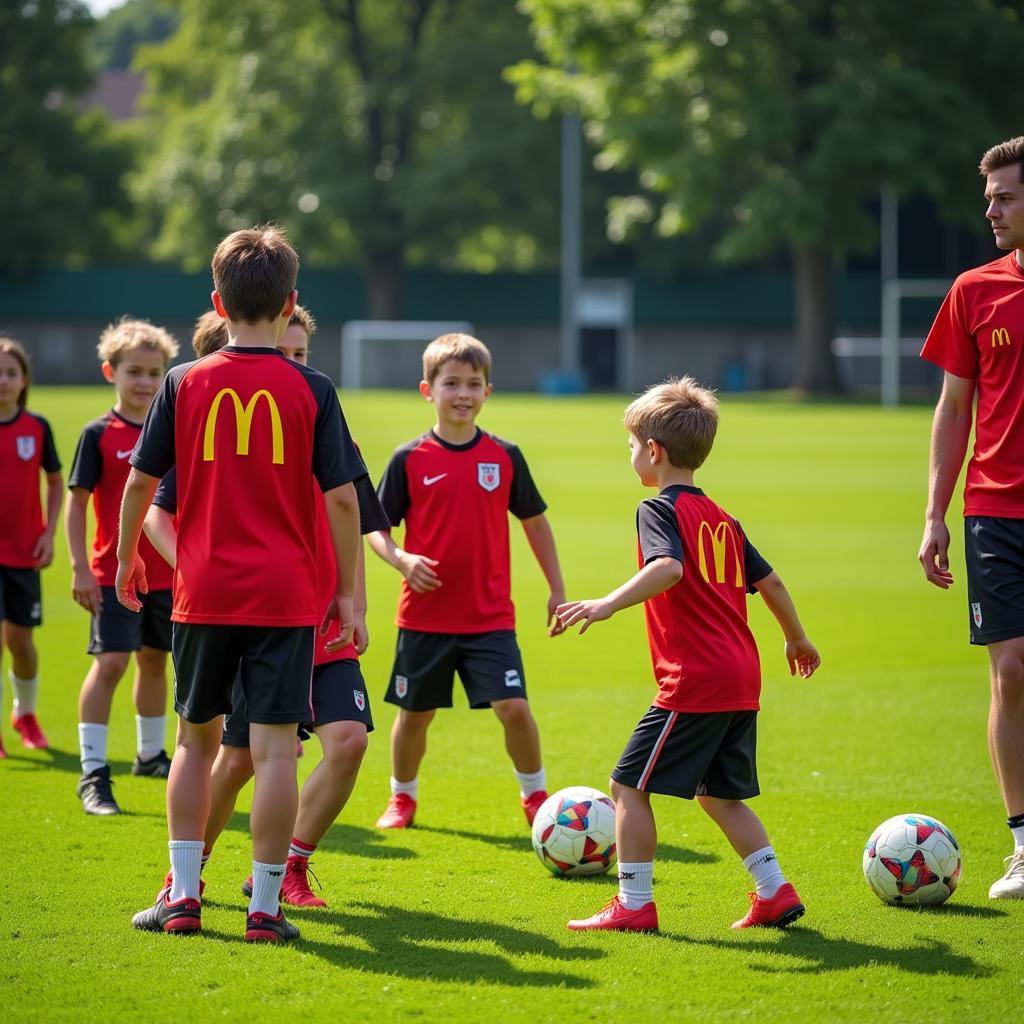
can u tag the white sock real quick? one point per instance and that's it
(300, 849)
(186, 861)
(150, 735)
(266, 888)
(764, 867)
(636, 884)
(1018, 837)
(408, 788)
(25, 693)
(92, 746)
(530, 782)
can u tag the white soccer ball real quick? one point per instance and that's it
(912, 860)
(574, 832)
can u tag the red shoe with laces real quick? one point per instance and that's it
(399, 813)
(531, 804)
(779, 912)
(613, 916)
(31, 735)
(169, 881)
(295, 889)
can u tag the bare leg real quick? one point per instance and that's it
(276, 796)
(188, 786)
(231, 771)
(636, 834)
(97, 691)
(24, 659)
(409, 743)
(1006, 721)
(330, 784)
(741, 826)
(150, 688)
(522, 738)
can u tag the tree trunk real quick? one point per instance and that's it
(816, 370)
(384, 269)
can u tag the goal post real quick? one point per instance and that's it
(894, 291)
(356, 333)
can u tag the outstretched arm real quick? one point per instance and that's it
(542, 543)
(801, 654)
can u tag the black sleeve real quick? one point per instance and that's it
(372, 516)
(166, 496)
(755, 568)
(524, 500)
(154, 451)
(336, 460)
(658, 530)
(87, 466)
(393, 489)
(50, 460)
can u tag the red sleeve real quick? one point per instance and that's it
(950, 343)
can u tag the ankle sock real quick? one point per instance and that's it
(149, 734)
(92, 746)
(25, 693)
(763, 866)
(530, 782)
(408, 788)
(300, 849)
(636, 883)
(186, 863)
(266, 888)
(1016, 823)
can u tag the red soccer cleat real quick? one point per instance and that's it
(613, 916)
(399, 813)
(169, 881)
(31, 735)
(779, 912)
(3, 753)
(295, 889)
(531, 804)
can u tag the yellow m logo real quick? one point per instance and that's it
(1000, 337)
(243, 424)
(719, 537)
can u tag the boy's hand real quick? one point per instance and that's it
(934, 554)
(340, 610)
(43, 551)
(86, 591)
(130, 582)
(419, 573)
(360, 637)
(583, 611)
(554, 623)
(803, 657)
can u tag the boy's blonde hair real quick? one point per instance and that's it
(681, 416)
(463, 348)
(254, 272)
(10, 347)
(209, 335)
(304, 319)
(120, 338)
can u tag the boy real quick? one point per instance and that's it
(245, 583)
(696, 566)
(134, 356)
(454, 487)
(341, 709)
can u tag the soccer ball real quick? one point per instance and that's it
(574, 832)
(912, 860)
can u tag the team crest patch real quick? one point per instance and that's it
(27, 448)
(360, 699)
(976, 611)
(488, 475)
(401, 686)
(512, 678)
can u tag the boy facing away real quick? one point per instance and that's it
(134, 355)
(454, 487)
(244, 427)
(699, 737)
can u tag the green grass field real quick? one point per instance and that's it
(455, 919)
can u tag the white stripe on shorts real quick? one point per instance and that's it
(656, 752)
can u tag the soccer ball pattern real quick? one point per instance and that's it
(912, 860)
(574, 832)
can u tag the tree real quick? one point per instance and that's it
(61, 168)
(120, 31)
(780, 118)
(375, 132)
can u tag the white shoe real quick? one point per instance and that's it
(1011, 885)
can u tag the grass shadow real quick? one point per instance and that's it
(344, 838)
(956, 910)
(518, 842)
(52, 759)
(681, 855)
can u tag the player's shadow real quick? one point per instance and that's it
(422, 945)
(346, 839)
(52, 759)
(681, 855)
(814, 953)
(517, 842)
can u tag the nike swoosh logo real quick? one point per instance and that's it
(428, 480)
(124, 455)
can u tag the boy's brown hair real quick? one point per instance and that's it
(1003, 155)
(120, 338)
(254, 272)
(10, 347)
(462, 348)
(681, 416)
(209, 335)
(304, 319)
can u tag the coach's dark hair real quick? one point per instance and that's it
(1004, 155)
(254, 272)
(10, 347)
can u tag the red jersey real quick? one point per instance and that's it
(101, 466)
(245, 428)
(705, 658)
(26, 451)
(979, 334)
(455, 501)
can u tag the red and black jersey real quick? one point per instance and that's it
(246, 428)
(705, 658)
(455, 501)
(26, 451)
(101, 466)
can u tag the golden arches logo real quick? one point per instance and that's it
(719, 537)
(1000, 337)
(243, 424)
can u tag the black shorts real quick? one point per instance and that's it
(273, 663)
(688, 755)
(339, 695)
(21, 597)
(489, 666)
(116, 628)
(994, 547)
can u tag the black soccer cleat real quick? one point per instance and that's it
(264, 928)
(157, 767)
(96, 794)
(181, 918)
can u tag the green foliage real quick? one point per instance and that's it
(121, 31)
(61, 169)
